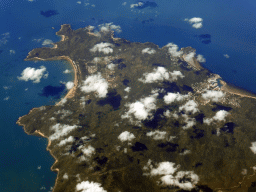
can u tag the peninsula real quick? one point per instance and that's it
(143, 118)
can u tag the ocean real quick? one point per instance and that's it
(228, 29)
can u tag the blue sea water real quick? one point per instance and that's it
(229, 27)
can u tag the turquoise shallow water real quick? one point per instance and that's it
(230, 24)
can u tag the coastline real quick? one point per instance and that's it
(71, 93)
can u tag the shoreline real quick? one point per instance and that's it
(71, 93)
(236, 90)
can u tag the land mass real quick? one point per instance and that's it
(142, 118)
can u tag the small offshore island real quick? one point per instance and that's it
(143, 118)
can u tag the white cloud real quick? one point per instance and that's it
(126, 136)
(61, 130)
(196, 22)
(96, 83)
(164, 168)
(142, 109)
(87, 186)
(253, 147)
(12, 52)
(172, 97)
(226, 55)
(189, 57)
(111, 66)
(127, 89)
(4, 37)
(6, 98)
(219, 116)
(190, 122)
(88, 150)
(67, 71)
(78, 2)
(190, 106)
(200, 58)
(157, 135)
(184, 179)
(139, 4)
(105, 48)
(213, 95)
(170, 177)
(7, 87)
(47, 42)
(148, 51)
(70, 139)
(69, 85)
(160, 74)
(65, 176)
(33, 74)
(107, 27)
(173, 50)
(124, 3)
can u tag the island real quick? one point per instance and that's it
(144, 118)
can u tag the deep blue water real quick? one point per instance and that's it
(228, 28)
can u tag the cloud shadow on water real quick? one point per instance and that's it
(49, 13)
(52, 91)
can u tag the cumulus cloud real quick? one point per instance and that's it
(196, 22)
(87, 150)
(47, 42)
(95, 83)
(189, 107)
(69, 85)
(139, 4)
(253, 147)
(124, 3)
(148, 51)
(127, 89)
(7, 87)
(173, 50)
(160, 74)
(67, 71)
(111, 66)
(105, 48)
(157, 135)
(164, 168)
(200, 58)
(12, 52)
(107, 27)
(190, 122)
(142, 109)
(70, 139)
(184, 179)
(7, 98)
(126, 136)
(65, 176)
(219, 116)
(171, 176)
(61, 130)
(33, 74)
(226, 55)
(189, 57)
(4, 38)
(87, 186)
(213, 95)
(172, 97)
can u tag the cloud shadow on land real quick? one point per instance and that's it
(52, 91)
(112, 99)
